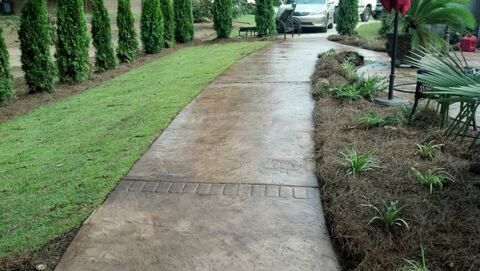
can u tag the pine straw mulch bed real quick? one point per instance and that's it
(446, 223)
(374, 45)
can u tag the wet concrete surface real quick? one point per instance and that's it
(229, 185)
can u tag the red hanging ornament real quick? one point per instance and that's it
(398, 5)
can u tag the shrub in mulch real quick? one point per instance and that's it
(445, 223)
(374, 45)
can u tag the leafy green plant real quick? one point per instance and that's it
(373, 119)
(370, 85)
(222, 18)
(168, 23)
(72, 43)
(417, 266)
(327, 54)
(425, 13)
(184, 30)
(347, 17)
(265, 18)
(201, 10)
(6, 79)
(105, 58)
(35, 39)
(433, 178)
(151, 26)
(356, 163)
(389, 215)
(127, 49)
(450, 80)
(428, 150)
(347, 92)
(349, 68)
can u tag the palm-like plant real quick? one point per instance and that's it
(423, 13)
(449, 80)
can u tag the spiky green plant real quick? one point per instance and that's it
(265, 18)
(127, 49)
(450, 80)
(373, 119)
(417, 266)
(347, 17)
(389, 215)
(168, 23)
(222, 17)
(428, 150)
(184, 31)
(369, 86)
(151, 25)
(347, 92)
(105, 58)
(6, 79)
(349, 68)
(424, 13)
(356, 163)
(433, 178)
(72, 42)
(35, 39)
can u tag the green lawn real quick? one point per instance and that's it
(244, 20)
(369, 30)
(59, 162)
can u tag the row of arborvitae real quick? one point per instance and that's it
(160, 27)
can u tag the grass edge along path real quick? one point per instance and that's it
(60, 161)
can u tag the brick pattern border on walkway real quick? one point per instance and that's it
(226, 189)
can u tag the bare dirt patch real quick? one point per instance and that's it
(374, 45)
(446, 222)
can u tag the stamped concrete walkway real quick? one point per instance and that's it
(229, 185)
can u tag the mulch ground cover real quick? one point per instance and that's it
(374, 45)
(445, 223)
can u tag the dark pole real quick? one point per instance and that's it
(394, 56)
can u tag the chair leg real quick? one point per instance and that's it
(444, 113)
(474, 120)
(414, 109)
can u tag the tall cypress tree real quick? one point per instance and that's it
(265, 17)
(35, 39)
(222, 17)
(73, 42)
(168, 23)
(347, 17)
(6, 80)
(151, 25)
(105, 58)
(183, 20)
(127, 49)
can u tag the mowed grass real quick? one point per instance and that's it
(246, 20)
(369, 30)
(59, 162)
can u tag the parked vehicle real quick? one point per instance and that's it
(314, 14)
(366, 8)
(378, 10)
